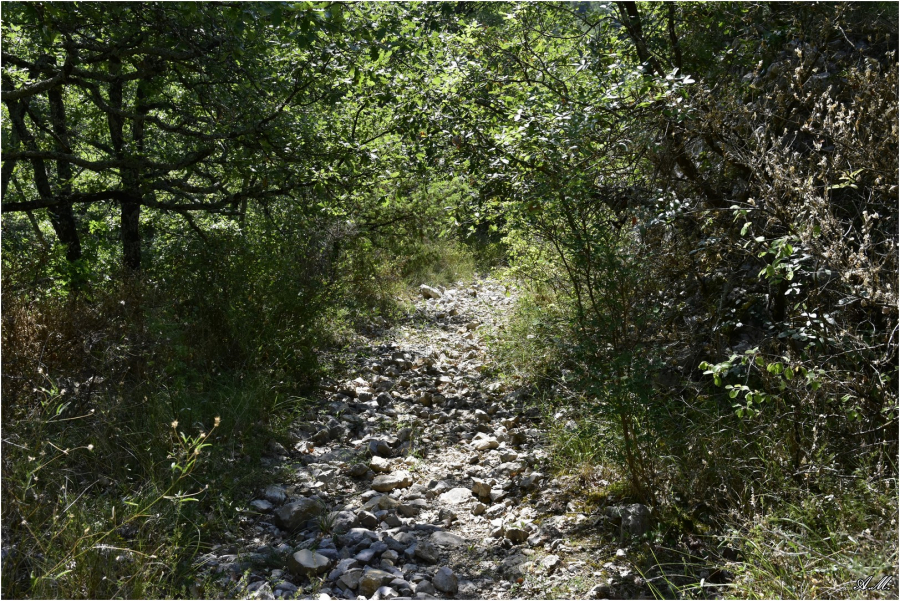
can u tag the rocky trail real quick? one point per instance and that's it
(421, 478)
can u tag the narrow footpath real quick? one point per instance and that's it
(421, 478)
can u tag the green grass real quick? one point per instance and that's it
(820, 547)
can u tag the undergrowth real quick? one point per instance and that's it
(719, 481)
(136, 408)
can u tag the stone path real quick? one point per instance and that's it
(420, 478)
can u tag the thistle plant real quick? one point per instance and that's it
(185, 453)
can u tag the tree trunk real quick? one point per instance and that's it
(131, 235)
(130, 210)
(61, 216)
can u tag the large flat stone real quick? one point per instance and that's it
(456, 496)
(294, 515)
(307, 563)
(389, 482)
(448, 539)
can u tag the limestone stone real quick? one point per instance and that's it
(428, 292)
(388, 482)
(445, 581)
(293, 515)
(516, 535)
(380, 465)
(307, 563)
(447, 539)
(372, 580)
(456, 496)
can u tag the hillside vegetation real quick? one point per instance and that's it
(204, 204)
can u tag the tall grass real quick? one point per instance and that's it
(92, 494)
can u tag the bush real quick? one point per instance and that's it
(225, 330)
(736, 327)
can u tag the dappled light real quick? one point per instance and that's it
(340, 300)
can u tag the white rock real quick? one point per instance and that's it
(456, 496)
(380, 465)
(388, 482)
(485, 443)
(429, 292)
(481, 489)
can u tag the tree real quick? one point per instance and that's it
(167, 106)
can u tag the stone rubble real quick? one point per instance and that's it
(420, 478)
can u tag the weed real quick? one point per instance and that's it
(326, 520)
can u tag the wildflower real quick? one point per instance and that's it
(175, 424)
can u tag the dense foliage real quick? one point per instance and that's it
(199, 200)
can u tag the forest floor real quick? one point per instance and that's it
(419, 475)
